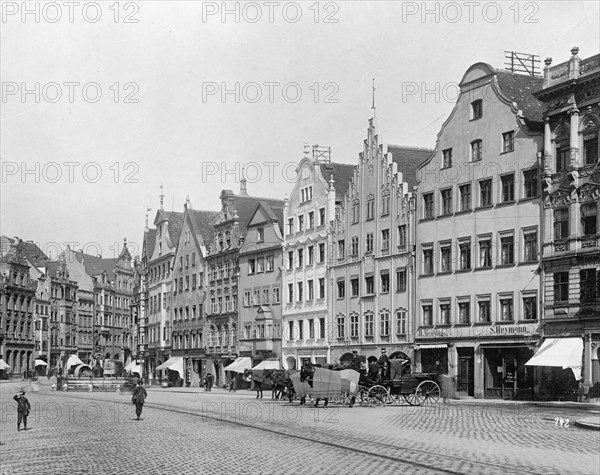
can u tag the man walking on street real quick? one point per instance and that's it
(23, 408)
(138, 398)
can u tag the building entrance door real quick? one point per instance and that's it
(465, 383)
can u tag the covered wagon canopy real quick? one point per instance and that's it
(174, 363)
(561, 352)
(240, 365)
(327, 383)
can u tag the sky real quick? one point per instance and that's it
(105, 102)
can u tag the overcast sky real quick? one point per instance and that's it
(132, 99)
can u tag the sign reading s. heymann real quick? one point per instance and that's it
(478, 331)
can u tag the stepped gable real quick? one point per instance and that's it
(342, 174)
(408, 160)
(202, 222)
(519, 88)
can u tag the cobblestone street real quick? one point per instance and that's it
(218, 432)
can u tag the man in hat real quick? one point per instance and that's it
(23, 408)
(139, 398)
(355, 363)
(384, 364)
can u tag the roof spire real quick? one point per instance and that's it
(162, 197)
(243, 189)
(373, 105)
(147, 211)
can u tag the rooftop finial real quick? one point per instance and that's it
(147, 211)
(188, 204)
(373, 105)
(243, 189)
(162, 197)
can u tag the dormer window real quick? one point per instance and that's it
(476, 109)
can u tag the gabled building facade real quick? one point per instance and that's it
(371, 266)
(478, 237)
(307, 251)
(189, 290)
(222, 319)
(260, 262)
(570, 210)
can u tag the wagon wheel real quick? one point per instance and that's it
(378, 395)
(411, 399)
(427, 393)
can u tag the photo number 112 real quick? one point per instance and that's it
(560, 422)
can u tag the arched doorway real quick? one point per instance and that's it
(290, 362)
(399, 355)
(346, 358)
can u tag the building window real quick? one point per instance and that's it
(256, 297)
(445, 313)
(589, 219)
(484, 311)
(384, 324)
(370, 207)
(311, 255)
(402, 236)
(311, 328)
(464, 312)
(465, 197)
(341, 326)
(588, 285)
(508, 188)
(530, 253)
(476, 109)
(354, 326)
(369, 325)
(341, 249)
(290, 293)
(321, 287)
(265, 298)
(508, 141)
(321, 216)
(301, 329)
(306, 194)
(485, 252)
(427, 261)
(507, 244)
(428, 206)
(530, 308)
(465, 255)
(446, 201)
(445, 259)
(369, 242)
(300, 291)
(561, 223)
(562, 157)
(311, 289)
(251, 266)
(590, 150)
(561, 286)
(311, 220)
(270, 259)
(355, 211)
(447, 158)
(485, 192)
(385, 204)
(290, 260)
(301, 223)
(506, 309)
(369, 285)
(530, 183)
(275, 295)
(260, 265)
(354, 250)
(476, 151)
(261, 234)
(300, 257)
(341, 286)
(401, 280)
(355, 287)
(385, 282)
(290, 226)
(322, 252)
(427, 315)
(385, 239)
(401, 322)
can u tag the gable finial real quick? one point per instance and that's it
(373, 105)
(162, 197)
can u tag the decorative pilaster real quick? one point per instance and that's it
(547, 158)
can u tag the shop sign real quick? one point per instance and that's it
(320, 353)
(304, 353)
(478, 331)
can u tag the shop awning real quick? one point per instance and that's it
(267, 364)
(174, 363)
(133, 367)
(240, 365)
(74, 361)
(3, 364)
(430, 347)
(561, 352)
(40, 363)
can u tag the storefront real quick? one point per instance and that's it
(505, 375)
